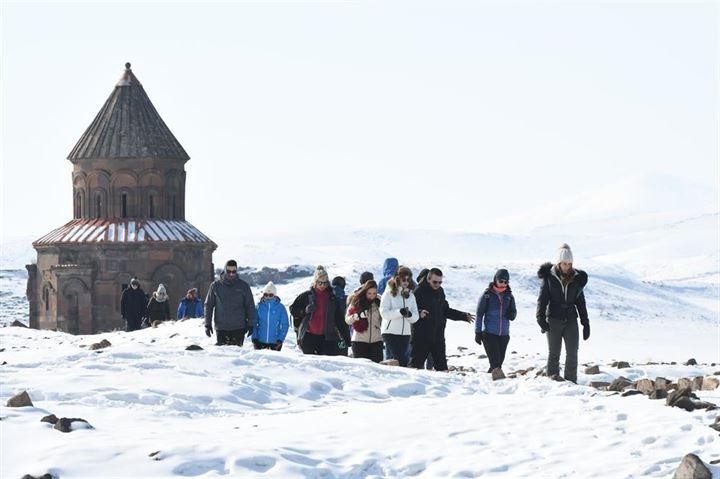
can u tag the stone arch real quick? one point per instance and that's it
(124, 194)
(151, 185)
(173, 194)
(174, 279)
(98, 184)
(79, 195)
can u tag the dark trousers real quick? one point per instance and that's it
(133, 324)
(495, 348)
(234, 337)
(275, 347)
(317, 344)
(397, 347)
(567, 332)
(424, 347)
(371, 351)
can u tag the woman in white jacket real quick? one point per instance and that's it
(363, 315)
(399, 311)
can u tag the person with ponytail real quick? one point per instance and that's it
(496, 308)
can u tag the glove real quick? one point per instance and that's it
(544, 326)
(586, 330)
(406, 313)
(361, 325)
(208, 330)
(310, 308)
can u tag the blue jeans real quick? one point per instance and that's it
(397, 347)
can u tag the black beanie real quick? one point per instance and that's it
(338, 281)
(366, 276)
(501, 274)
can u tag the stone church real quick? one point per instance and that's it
(128, 184)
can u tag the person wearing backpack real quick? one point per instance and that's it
(496, 308)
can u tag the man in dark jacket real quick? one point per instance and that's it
(559, 303)
(133, 305)
(319, 318)
(232, 303)
(428, 332)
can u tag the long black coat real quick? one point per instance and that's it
(334, 316)
(158, 311)
(433, 325)
(558, 302)
(133, 304)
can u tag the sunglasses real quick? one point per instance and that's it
(231, 271)
(502, 281)
(268, 295)
(436, 282)
(323, 283)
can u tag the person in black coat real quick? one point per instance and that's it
(428, 332)
(133, 305)
(560, 301)
(319, 318)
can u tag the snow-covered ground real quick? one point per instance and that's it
(653, 297)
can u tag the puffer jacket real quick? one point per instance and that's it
(370, 335)
(392, 321)
(272, 324)
(232, 304)
(390, 266)
(335, 327)
(561, 302)
(495, 311)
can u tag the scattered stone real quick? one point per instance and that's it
(64, 424)
(18, 324)
(673, 363)
(193, 347)
(602, 385)
(645, 386)
(3, 363)
(20, 400)
(710, 384)
(497, 373)
(691, 362)
(685, 403)
(659, 394)
(716, 461)
(692, 467)
(101, 345)
(697, 383)
(557, 377)
(621, 364)
(716, 373)
(482, 356)
(513, 352)
(593, 370)
(173, 335)
(155, 455)
(631, 392)
(47, 475)
(674, 396)
(390, 362)
(684, 383)
(661, 383)
(619, 384)
(541, 372)
(52, 419)
(2, 350)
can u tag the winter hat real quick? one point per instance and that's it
(161, 289)
(501, 274)
(404, 271)
(366, 276)
(565, 254)
(319, 275)
(270, 288)
(338, 281)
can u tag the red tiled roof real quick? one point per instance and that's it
(123, 230)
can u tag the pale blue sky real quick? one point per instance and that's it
(418, 114)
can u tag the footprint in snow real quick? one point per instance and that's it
(198, 468)
(260, 464)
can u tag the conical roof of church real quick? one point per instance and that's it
(128, 126)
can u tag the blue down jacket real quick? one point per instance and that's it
(272, 321)
(495, 311)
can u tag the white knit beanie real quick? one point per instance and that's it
(161, 289)
(319, 275)
(565, 254)
(270, 288)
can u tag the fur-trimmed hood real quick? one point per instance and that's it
(546, 270)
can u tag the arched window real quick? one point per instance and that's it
(123, 205)
(174, 207)
(151, 206)
(98, 205)
(78, 205)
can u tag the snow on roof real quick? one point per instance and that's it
(122, 230)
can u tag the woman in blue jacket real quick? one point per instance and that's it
(496, 308)
(272, 322)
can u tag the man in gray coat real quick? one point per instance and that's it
(231, 301)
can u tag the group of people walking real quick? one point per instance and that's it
(400, 317)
